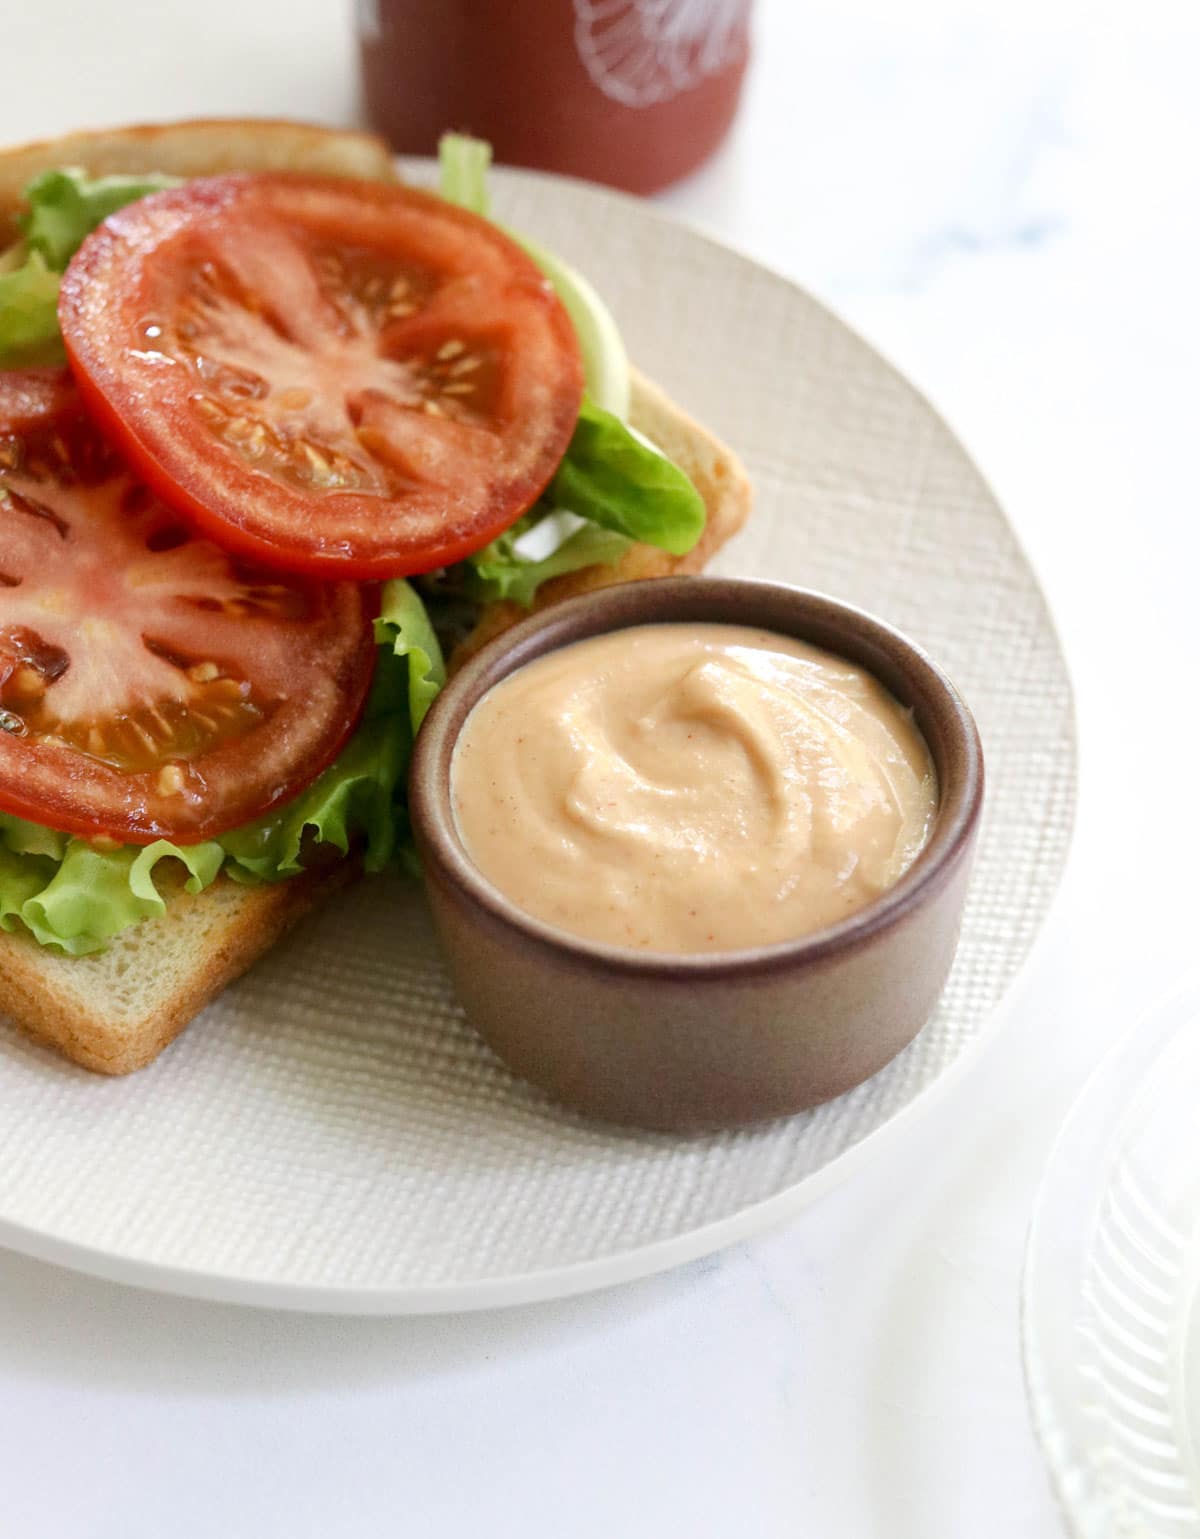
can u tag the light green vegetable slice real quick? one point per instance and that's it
(605, 363)
(464, 165)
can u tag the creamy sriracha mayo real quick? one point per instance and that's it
(687, 788)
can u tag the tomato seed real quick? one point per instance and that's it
(170, 780)
(450, 350)
(295, 399)
(27, 684)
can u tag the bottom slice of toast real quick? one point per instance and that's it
(117, 1010)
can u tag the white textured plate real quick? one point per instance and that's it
(330, 1134)
(1111, 1299)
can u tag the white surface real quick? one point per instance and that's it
(332, 1134)
(1001, 198)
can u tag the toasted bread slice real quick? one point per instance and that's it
(116, 1011)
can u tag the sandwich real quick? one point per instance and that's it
(281, 440)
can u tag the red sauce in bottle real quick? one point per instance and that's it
(635, 93)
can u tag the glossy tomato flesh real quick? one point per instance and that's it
(151, 684)
(345, 378)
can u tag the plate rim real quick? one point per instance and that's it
(577, 1278)
(571, 1280)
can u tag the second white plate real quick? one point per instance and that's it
(1111, 1301)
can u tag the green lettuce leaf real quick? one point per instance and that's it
(29, 315)
(94, 895)
(66, 205)
(617, 481)
(73, 896)
(403, 626)
(514, 567)
(355, 800)
(463, 166)
(610, 489)
(63, 207)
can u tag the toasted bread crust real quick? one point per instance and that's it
(202, 147)
(85, 1006)
(68, 1002)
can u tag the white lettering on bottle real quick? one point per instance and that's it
(644, 51)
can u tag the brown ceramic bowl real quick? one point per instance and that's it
(693, 1042)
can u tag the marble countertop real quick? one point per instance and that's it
(1001, 197)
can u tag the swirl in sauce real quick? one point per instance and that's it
(687, 788)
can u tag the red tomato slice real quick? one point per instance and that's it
(347, 378)
(151, 685)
